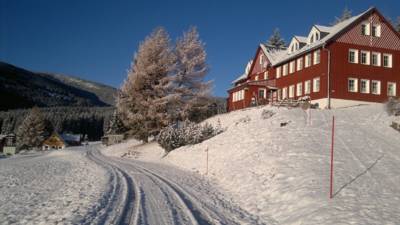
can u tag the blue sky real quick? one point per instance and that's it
(95, 40)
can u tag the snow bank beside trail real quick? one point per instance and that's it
(60, 187)
(283, 171)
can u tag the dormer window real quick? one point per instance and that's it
(316, 36)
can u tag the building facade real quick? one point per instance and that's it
(353, 62)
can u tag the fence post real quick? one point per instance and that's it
(207, 161)
(332, 147)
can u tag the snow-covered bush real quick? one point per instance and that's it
(392, 106)
(266, 114)
(188, 133)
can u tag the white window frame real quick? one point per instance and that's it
(394, 89)
(307, 87)
(378, 86)
(355, 84)
(261, 59)
(390, 60)
(285, 70)
(284, 93)
(307, 61)
(355, 51)
(317, 57)
(367, 57)
(299, 64)
(378, 58)
(256, 78)
(291, 91)
(367, 28)
(291, 67)
(316, 84)
(377, 31)
(278, 71)
(367, 86)
(299, 89)
(265, 75)
(265, 92)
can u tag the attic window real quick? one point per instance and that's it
(316, 36)
(376, 30)
(365, 28)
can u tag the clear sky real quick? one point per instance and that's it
(95, 39)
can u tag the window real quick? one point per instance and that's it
(376, 87)
(291, 91)
(364, 86)
(291, 67)
(299, 89)
(391, 89)
(256, 77)
(353, 55)
(285, 70)
(307, 87)
(365, 28)
(365, 57)
(261, 59)
(300, 64)
(262, 93)
(284, 93)
(278, 72)
(266, 75)
(317, 57)
(387, 60)
(376, 59)
(352, 85)
(376, 30)
(238, 95)
(312, 39)
(308, 61)
(316, 84)
(316, 36)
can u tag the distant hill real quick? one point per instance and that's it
(20, 88)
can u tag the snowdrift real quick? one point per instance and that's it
(283, 171)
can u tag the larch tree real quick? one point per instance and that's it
(190, 86)
(142, 101)
(276, 40)
(346, 14)
(33, 130)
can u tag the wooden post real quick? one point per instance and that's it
(332, 147)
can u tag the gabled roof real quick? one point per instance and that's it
(301, 39)
(245, 74)
(277, 56)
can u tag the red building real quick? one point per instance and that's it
(354, 62)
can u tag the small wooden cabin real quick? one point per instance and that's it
(55, 141)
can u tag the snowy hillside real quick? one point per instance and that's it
(283, 172)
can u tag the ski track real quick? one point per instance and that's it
(140, 195)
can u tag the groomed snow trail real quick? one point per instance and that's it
(145, 193)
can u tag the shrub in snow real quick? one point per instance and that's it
(187, 133)
(243, 120)
(392, 106)
(266, 114)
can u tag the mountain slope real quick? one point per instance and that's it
(21, 88)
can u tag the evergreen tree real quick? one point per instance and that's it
(33, 130)
(276, 41)
(143, 99)
(115, 125)
(346, 14)
(397, 25)
(191, 69)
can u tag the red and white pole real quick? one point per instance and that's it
(332, 147)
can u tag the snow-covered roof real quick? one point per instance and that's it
(277, 56)
(301, 39)
(246, 72)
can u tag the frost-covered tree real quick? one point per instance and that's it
(33, 130)
(276, 40)
(115, 125)
(397, 24)
(143, 99)
(346, 14)
(190, 71)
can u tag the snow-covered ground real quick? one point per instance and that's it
(283, 172)
(59, 187)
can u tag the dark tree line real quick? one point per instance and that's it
(90, 121)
